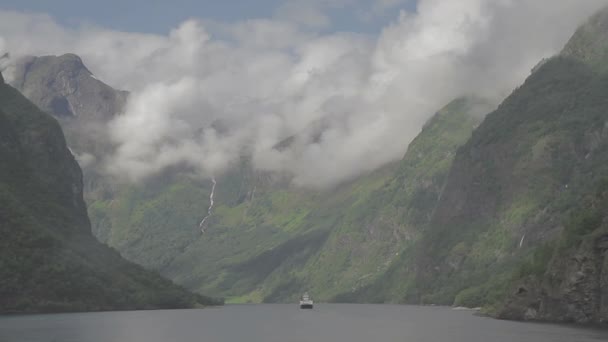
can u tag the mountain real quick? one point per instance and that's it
(65, 88)
(505, 210)
(566, 279)
(267, 241)
(411, 196)
(255, 218)
(521, 224)
(381, 226)
(49, 260)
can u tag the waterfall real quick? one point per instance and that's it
(202, 224)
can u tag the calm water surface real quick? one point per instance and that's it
(286, 323)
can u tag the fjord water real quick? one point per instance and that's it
(286, 323)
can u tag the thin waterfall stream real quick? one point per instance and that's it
(202, 224)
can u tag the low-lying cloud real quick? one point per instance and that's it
(350, 102)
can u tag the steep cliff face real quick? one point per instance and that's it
(521, 204)
(35, 146)
(408, 200)
(566, 279)
(65, 88)
(49, 261)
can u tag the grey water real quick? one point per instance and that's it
(286, 323)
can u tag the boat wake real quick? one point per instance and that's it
(202, 224)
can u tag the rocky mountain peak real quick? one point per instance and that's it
(64, 87)
(69, 62)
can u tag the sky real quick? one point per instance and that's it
(159, 16)
(350, 82)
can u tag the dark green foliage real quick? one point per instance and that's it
(262, 265)
(584, 221)
(49, 261)
(580, 224)
(492, 291)
(157, 221)
(536, 264)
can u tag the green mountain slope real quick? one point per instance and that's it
(566, 279)
(362, 226)
(410, 198)
(523, 204)
(157, 224)
(267, 241)
(49, 261)
(511, 183)
(310, 259)
(372, 233)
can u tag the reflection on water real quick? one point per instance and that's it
(286, 323)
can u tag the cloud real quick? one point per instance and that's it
(85, 159)
(206, 93)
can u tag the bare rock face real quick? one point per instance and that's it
(574, 289)
(524, 302)
(64, 87)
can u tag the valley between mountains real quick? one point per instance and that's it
(500, 205)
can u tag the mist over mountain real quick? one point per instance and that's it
(373, 93)
(259, 159)
(50, 260)
(520, 227)
(257, 214)
(63, 87)
(59, 84)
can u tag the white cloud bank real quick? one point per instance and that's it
(354, 102)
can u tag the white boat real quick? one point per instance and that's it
(306, 302)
